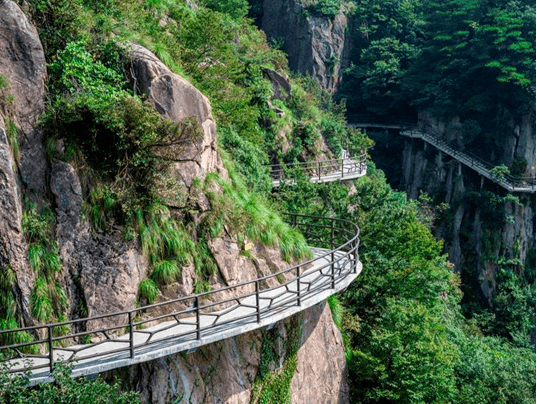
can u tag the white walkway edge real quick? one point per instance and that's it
(286, 295)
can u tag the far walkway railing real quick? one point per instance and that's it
(483, 167)
(345, 168)
(509, 182)
(161, 329)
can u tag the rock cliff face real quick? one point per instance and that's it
(176, 99)
(101, 270)
(316, 45)
(225, 372)
(469, 236)
(23, 71)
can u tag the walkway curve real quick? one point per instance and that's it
(345, 168)
(197, 320)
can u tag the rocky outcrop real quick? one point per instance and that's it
(13, 247)
(23, 72)
(224, 372)
(101, 270)
(321, 373)
(315, 45)
(177, 99)
(281, 87)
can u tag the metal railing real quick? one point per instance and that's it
(198, 316)
(410, 129)
(509, 182)
(332, 169)
(377, 121)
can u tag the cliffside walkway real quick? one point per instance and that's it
(345, 168)
(510, 183)
(150, 332)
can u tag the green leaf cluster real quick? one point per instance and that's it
(64, 390)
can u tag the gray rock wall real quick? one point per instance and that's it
(426, 168)
(224, 372)
(315, 45)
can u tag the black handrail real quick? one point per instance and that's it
(475, 161)
(318, 169)
(342, 260)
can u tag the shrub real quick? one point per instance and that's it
(64, 390)
(328, 8)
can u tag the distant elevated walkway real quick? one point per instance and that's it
(345, 168)
(510, 183)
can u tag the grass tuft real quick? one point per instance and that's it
(166, 272)
(148, 289)
(337, 309)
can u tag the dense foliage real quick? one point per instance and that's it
(479, 58)
(65, 390)
(407, 339)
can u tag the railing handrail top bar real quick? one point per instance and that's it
(361, 156)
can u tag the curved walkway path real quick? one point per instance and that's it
(193, 321)
(526, 185)
(346, 168)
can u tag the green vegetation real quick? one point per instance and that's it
(12, 132)
(273, 383)
(499, 172)
(407, 339)
(479, 58)
(48, 301)
(65, 390)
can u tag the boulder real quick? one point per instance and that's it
(281, 87)
(177, 99)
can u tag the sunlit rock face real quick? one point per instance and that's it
(225, 372)
(177, 99)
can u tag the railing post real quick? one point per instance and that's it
(131, 336)
(355, 269)
(198, 325)
(50, 351)
(299, 303)
(257, 301)
(319, 169)
(331, 234)
(332, 254)
(342, 164)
